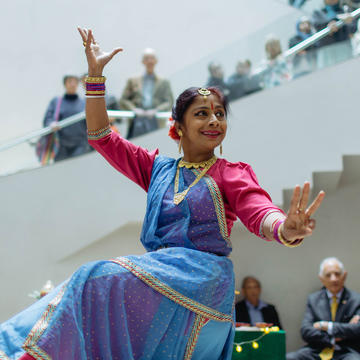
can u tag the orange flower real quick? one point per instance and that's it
(172, 131)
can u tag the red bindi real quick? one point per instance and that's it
(212, 106)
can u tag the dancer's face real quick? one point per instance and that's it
(204, 126)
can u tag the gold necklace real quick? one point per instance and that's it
(206, 165)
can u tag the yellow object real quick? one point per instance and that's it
(238, 348)
(327, 354)
(179, 197)
(334, 306)
(201, 164)
(255, 345)
(284, 241)
(95, 79)
(266, 330)
(274, 328)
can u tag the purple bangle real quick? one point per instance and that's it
(275, 231)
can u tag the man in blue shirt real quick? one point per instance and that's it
(252, 311)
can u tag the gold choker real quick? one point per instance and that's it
(202, 164)
(206, 165)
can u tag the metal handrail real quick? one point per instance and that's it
(72, 120)
(307, 42)
(316, 37)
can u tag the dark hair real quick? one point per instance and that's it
(67, 77)
(250, 278)
(187, 97)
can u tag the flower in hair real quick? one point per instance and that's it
(172, 130)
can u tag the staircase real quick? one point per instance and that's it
(331, 181)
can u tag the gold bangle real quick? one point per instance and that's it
(287, 242)
(95, 79)
(95, 92)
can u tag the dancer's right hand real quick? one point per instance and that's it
(96, 58)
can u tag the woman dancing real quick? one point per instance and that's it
(177, 300)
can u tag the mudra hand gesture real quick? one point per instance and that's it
(96, 58)
(298, 223)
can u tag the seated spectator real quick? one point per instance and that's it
(331, 326)
(304, 62)
(73, 138)
(146, 95)
(276, 70)
(216, 78)
(242, 82)
(252, 310)
(297, 3)
(335, 47)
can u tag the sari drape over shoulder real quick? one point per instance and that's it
(176, 301)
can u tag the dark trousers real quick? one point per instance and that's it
(306, 353)
(141, 125)
(66, 152)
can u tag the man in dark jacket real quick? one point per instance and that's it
(252, 310)
(216, 78)
(305, 61)
(335, 47)
(331, 326)
(73, 138)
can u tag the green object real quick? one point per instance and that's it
(271, 346)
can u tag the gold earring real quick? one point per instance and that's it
(180, 134)
(221, 149)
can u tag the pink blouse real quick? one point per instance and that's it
(242, 195)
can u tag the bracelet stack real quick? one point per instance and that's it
(95, 86)
(278, 236)
(98, 134)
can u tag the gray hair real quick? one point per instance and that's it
(330, 259)
(149, 51)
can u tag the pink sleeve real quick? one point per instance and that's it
(133, 161)
(245, 196)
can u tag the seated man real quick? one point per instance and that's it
(252, 310)
(331, 326)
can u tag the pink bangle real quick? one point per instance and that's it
(276, 232)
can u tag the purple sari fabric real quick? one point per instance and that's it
(173, 303)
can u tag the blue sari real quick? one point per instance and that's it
(174, 302)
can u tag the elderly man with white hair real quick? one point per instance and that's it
(146, 95)
(331, 326)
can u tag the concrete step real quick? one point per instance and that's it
(351, 170)
(326, 180)
(287, 194)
